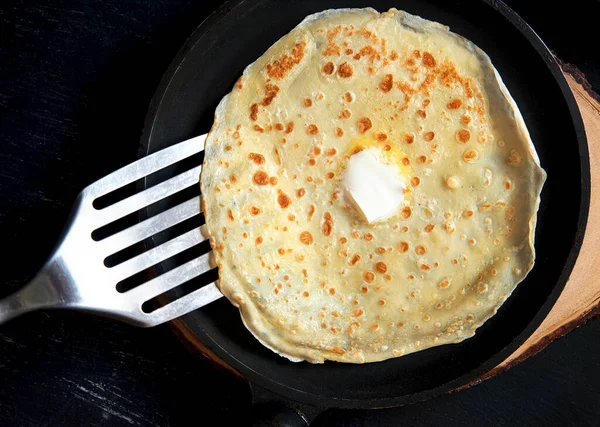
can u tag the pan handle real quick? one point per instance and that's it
(273, 410)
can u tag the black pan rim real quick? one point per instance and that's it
(263, 380)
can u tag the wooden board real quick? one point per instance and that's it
(580, 299)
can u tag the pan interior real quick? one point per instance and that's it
(205, 70)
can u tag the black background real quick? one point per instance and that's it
(77, 77)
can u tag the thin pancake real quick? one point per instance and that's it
(311, 279)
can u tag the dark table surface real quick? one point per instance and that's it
(76, 80)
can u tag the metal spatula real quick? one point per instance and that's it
(76, 277)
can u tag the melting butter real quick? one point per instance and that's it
(376, 189)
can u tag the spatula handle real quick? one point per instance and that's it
(46, 290)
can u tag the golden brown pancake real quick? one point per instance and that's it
(312, 279)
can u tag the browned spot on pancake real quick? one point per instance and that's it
(420, 250)
(387, 83)
(254, 210)
(328, 68)
(359, 312)
(394, 55)
(406, 161)
(381, 136)
(346, 114)
(384, 46)
(428, 60)
(261, 178)
(485, 207)
(306, 238)
(230, 214)
(337, 350)
(280, 67)
(277, 156)
(312, 162)
(470, 156)
(421, 113)
(415, 181)
(308, 102)
(428, 136)
(317, 150)
(258, 240)
(348, 97)
(468, 213)
(327, 224)
(444, 284)
(381, 267)
(355, 259)
(507, 185)
(273, 180)
(228, 148)
(279, 126)
(422, 159)
(466, 119)
(290, 127)
(301, 192)
(387, 147)
(339, 132)
(369, 276)
(408, 138)
(284, 200)
(258, 128)
(429, 228)
(425, 267)
(332, 48)
(270, 94)
(331, 152)
(448, 75)
(368, 35)
(312, 129)
(406, 212)
(254, 112)
(311, 211)
(455, 104)
(463, 136)
(364, 124)
(425, 103)
(403, 246)
(514, 158)
(330, 175)
(239, 83)
(259, 159)
(345, 70)
(370, 52)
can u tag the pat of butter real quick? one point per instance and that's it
(374, 188)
